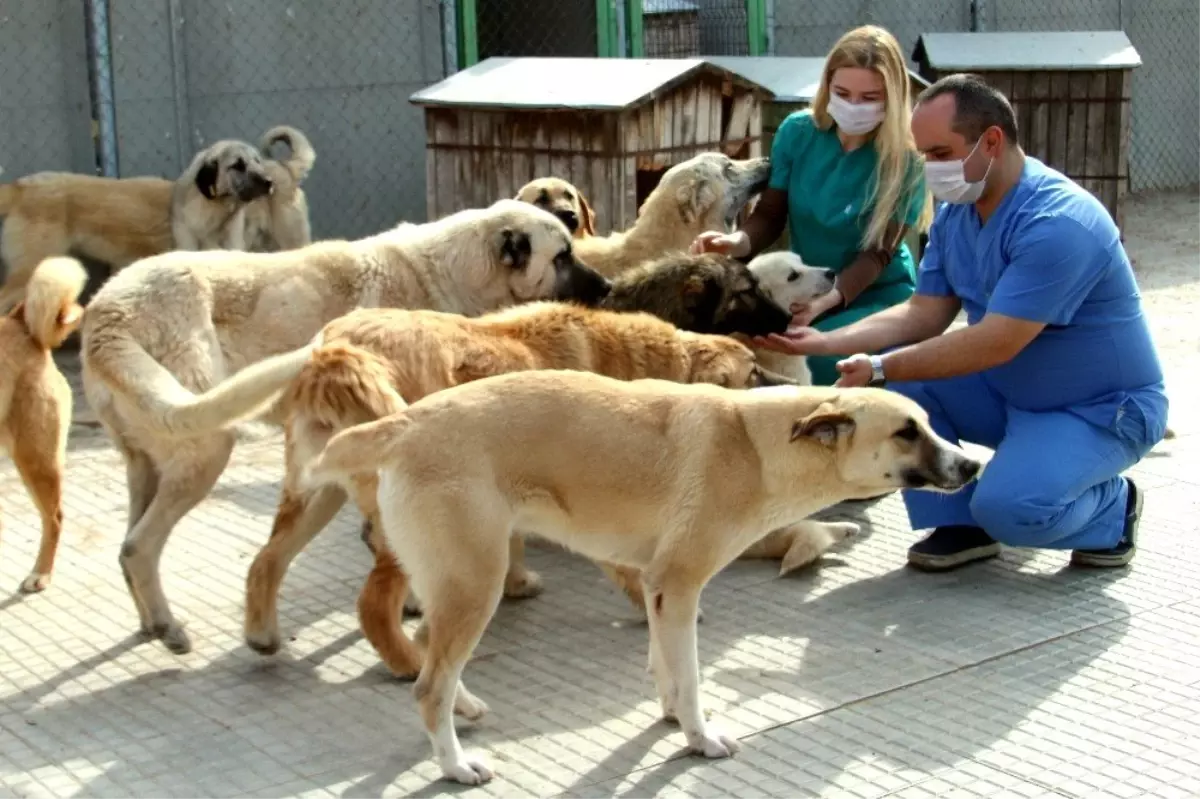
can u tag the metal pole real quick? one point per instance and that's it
(979, 16)
(183, 128)
(449, 37)
(101, 77)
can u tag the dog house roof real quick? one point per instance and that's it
(1020, 50)
(568, 83)
(790, 80)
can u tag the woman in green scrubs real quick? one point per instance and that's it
(847, 182)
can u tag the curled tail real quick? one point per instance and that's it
(51, 309)
(302, 157)
(166, 405)
(341, 386)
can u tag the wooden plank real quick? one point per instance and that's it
(502, 156)
(647, 136)
(1094, 155)
(541, 144)
(560, 145)
(1078, 83)
(739, 122)
(704, 103)
(430, 167)
(1059, 89)
(756, 128)
(598, 191)
(1039, 125)
(446, 124)
(677, 106)
(483, 189)
(520, 137)
(1123, 147)
(626, 200)
(1001, 82)
(664, 129)
(689, 101)
(716, 119)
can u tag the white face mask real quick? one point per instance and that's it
(855, 118)
(947, 180)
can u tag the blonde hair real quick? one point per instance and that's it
(898, 170)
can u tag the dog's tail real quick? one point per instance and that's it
(167, 406)
(300, 162)
(341, 386)
(51, 309)
(360, 448)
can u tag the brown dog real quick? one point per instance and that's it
(564, 201)
(35, 399)
(373, 362)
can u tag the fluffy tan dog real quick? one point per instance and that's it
(673, 480)
(705, 192)
(35, 399)
(181, 323)
(564, 201)
(374, 362)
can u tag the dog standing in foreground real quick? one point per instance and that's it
(674, 480)
(35, 399)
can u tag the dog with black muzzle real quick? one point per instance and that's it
(209, 200)
(564, 201)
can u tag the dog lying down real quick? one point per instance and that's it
(674, 480)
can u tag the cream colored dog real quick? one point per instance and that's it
(674, 480)
(705, 192)
(791, 284)
(180, 323)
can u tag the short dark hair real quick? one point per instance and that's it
(977, 106)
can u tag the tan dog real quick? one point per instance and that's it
(122, 220)
(280, 220)
(374, 362)
(35, 399)
(705, 192)
(673, 480)
(182, 322)
(564, 201)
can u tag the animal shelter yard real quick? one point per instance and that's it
(856, 677)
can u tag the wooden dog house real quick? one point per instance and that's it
(609, 126)
(1071, 92)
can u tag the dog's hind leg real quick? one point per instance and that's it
(380, 609)
(182, 486)
(39, 459)
(672, 603)
(300, 517)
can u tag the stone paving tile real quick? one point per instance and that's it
(1020, 677)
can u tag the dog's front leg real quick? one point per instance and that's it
(672, 607)
(520, 582)
(234, 237)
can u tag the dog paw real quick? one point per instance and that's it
(174, 638)
(469, 706)
(523, 586)
(468, 771)
(264, 643)
(35, 583)
(713, 743)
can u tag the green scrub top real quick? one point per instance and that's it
(827, 190)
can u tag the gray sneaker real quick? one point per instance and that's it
(952, 546)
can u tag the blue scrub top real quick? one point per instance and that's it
(1051, 253)
(828, 191)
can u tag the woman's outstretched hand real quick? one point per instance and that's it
(796, 341)
(735, 245)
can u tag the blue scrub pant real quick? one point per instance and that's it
(1053, 482)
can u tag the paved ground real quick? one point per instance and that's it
(1018, 678)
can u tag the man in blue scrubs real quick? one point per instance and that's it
(1056, 370)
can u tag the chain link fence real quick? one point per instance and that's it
(184, 73)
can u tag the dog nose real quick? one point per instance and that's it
(570, 219)
(830, 274)
(968, 469)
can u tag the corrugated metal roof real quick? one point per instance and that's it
(1028, 50)
(791, 80)
(562, 83)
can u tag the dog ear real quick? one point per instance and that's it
(515, 249)
(587, 217)
(206, 178)
(825, 425)
(694, 199)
